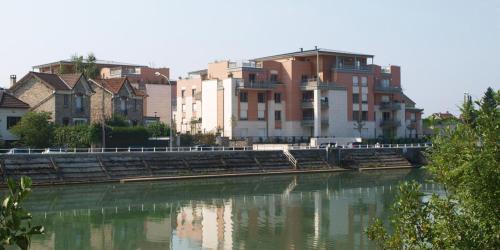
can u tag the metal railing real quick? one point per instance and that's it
(353, 68)
(242, 84)
(390, 106)
(388, 89)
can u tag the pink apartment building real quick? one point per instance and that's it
(308, 93)
(159, 94)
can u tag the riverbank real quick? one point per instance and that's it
(69, 168)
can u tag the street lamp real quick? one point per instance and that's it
(171, 113)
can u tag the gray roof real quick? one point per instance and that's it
(98, 62)
(312, 53)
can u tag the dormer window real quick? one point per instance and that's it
(123, 104)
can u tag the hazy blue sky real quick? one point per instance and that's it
(444, 47)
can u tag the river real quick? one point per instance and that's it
(307, 211)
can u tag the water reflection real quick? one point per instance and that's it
(313, 211)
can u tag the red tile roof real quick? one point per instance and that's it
(113, 84)
(71, 79)
(53, 81)
(9, 101)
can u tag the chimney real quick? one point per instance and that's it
(12, 80)
(315, 47)
(301, 49)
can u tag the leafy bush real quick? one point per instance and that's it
(117, 121)
(73, 136)
(158, 129)
(15, 221)
(35, 129)
(197, 139)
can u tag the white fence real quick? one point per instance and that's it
(196, 149)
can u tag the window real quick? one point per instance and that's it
(251, 77)
(364, 115)
(413, 117)
(274, 78)
(277, 115)
(65, 121)
(183, 93)
(385, 83)
(243, 115)
(364, 81)
(66, 101)
(386, 116)
(260, 115)
(355, 98)
(123, 104)
(354, 81)
(385, 98)
(79, 103)
(193, 92)
(135, 104)
(355, 115)
(243, 97)
(364, 98)
(261, 98)
(304, 78)
(12, 121)
(79, 121)
(277, 97)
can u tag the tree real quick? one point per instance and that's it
(359, 125)
(157, 129)
(465, 161)
(15, 221)
(35, 129)
(73, 136)
(117, 121)
(86, 66)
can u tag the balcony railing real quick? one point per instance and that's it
(308, 104)
(308, 121)
(390, 123)
(244, 64)
(240, 83)
(387, 88)
(313, 84)
(353, 68)
(390, 106)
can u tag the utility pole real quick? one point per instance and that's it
(171, 113)
(103, 122)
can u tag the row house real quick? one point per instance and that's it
(308, 93)
(159, 91)
(73, 99)
(116, 96)
(66, 97)
(11, 112)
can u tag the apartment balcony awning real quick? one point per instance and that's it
(387, 89)
(263, 85)
(390, 106)
(314, 85)
(390, 123)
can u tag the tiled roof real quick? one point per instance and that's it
(113, 84)
(9, 101)
(71, 79)
(53, 80)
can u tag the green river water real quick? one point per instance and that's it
(307, 211)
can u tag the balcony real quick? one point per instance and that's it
(313, 84)
(309, 121)
(308, 104)
(244, 64)
(353, 68)
(390, 106)
(387, 88)
(390, 123)
(264, 85)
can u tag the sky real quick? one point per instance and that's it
(444, 48)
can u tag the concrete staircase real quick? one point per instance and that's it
(377, 159)
(311, 158)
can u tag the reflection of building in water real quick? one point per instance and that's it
(206, 226)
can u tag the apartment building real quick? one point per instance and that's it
(308, 93)
(66, 96)
(159, 93)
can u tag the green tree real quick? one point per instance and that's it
(87, 66)
(158, 129)
(465, 161)
(15, 221)
(35, 129)
(117, 121)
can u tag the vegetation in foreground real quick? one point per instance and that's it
(465, 161)
(15, 221)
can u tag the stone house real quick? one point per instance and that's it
(116, 96)
(66, 97)
(11, 112)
